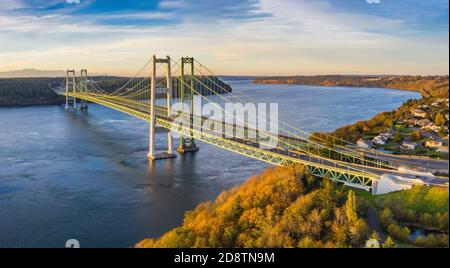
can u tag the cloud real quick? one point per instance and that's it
(172, 3)
(8, 5)
(373, 1)
(72, 1)
(230, 36)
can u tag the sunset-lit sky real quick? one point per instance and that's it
(236, 37)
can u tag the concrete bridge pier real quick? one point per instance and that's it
(152, 154)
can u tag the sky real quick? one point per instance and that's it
(231, 37)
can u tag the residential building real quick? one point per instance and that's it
(407, 145)
(431, 126)
(433, 143)
(418, 113)
(422, 122)
(365, 144)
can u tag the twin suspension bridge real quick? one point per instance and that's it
(187, 79)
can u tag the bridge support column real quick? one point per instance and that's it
(83, 88)
(71, 102)
(152, 154)
(188, 145)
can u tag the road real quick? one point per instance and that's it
(411, 162)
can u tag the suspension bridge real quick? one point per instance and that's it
(187, 79)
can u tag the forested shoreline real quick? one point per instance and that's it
(287, 207)
(29, 91)
(428, 86)
(41, 91)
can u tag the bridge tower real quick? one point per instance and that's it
(71, 102)
(187, 144)
(152, 155)
(83, 88)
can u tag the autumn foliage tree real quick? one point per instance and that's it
(282, 207)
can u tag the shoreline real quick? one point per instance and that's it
(62, 100)
(427, 86)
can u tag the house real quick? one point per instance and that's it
(418, 113)
(431, 126)
(380, 139)
(435, 104)
(442, 149)
(365, 144)
(390, 134)
(383, 137)
(407, 145)
(422, 122)
(433, 143)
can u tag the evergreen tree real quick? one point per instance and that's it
(397, 136)
(351, 209)
(375, 236)
(439, 119)
(389, 243)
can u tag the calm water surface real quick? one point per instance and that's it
(84, 175)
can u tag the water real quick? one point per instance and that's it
(84, 175)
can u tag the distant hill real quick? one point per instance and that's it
(29, 91)
(32, 73)
(435, 86)
(40, 90)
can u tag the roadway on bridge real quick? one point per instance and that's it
(411, 161)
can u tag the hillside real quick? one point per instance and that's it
(428, 86)
(282, 207)
(286, 207)
(417, 127)
(32, 73)
(40, 91)
(29, 91)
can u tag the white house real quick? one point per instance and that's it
(364, 144)
(406, 145)
(418, 113)
(379, 140)
(431, 126)
(422, 122)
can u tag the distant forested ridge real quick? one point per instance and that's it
(40, 91)
(428, 86)
(29, 91)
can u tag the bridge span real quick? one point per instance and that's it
(292, 146)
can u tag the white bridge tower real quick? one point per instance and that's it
(152, 155)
